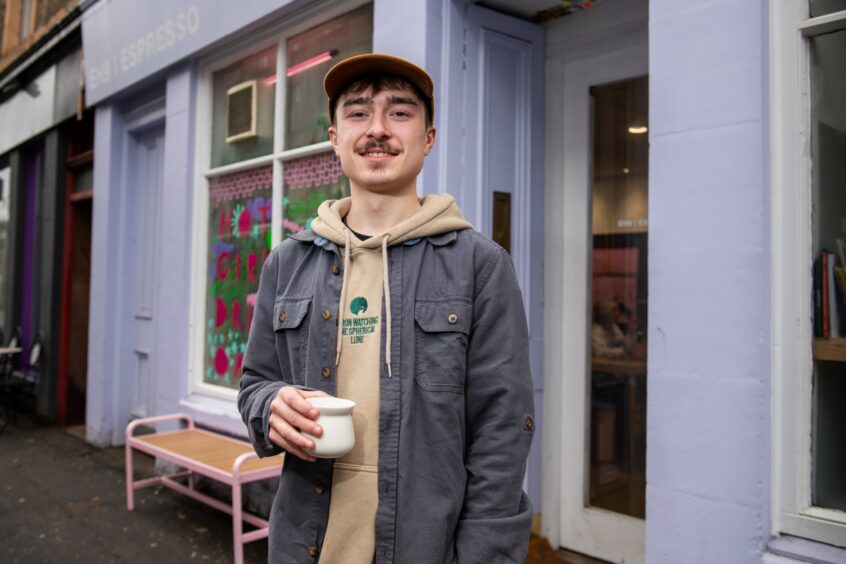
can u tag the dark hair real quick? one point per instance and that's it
(379, 82)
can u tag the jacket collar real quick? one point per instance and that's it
(309, 236)
(305, 236)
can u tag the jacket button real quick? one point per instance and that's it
(336, 270)
(326, 314)
(529, 424)
(326, 372)
(452, 319)
(319, 490)
(282, 316)
(312, 551)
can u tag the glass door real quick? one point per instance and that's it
(617, 390)
(598, 372)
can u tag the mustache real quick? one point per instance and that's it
(378, 145)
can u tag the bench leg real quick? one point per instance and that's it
(237, 524)
(130, 491)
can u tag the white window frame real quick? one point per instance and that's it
(203, 171)
(790, 30)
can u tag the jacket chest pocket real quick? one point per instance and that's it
(441, 335)
(291, 326)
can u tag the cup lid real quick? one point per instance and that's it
(329, 405)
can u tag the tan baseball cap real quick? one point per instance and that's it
(349, 70)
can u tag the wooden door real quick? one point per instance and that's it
(80, 282)
(76, 279)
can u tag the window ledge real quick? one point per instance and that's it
(215, 413)
(805, 550)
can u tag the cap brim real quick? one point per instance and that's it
(349, 70)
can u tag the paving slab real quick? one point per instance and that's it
(64, 500)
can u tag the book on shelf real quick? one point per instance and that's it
(840, 291)
(841, 250)
(826, 307)
(818, 325)
(829, 298)
(833, 301)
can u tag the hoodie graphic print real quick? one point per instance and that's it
(350, 534)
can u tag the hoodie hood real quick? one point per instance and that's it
(437, 214)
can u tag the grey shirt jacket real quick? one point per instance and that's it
(456, 418)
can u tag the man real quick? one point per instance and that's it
(398, 304)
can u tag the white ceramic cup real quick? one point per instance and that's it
(335, 417)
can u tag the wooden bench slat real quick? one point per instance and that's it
(212, 450)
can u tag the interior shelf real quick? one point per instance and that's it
(830, 349)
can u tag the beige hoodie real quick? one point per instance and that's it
(350, 534)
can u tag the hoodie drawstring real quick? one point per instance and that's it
(342, 306)
(387, 289)
(387, 285)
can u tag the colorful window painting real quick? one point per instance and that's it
(239, 241)
(308, 181)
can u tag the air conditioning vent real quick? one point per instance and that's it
(241, 111)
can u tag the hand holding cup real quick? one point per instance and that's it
(291, 415)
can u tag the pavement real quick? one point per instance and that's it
(65, 501)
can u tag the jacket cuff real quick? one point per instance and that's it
(260, 426)
(495, 539)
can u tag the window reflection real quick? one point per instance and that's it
(257, 72)
(617, 436)
(310, 55)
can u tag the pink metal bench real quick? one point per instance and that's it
(209, 454)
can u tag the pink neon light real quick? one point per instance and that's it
(269, 81)
(307, 64)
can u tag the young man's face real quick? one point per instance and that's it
(381, 139)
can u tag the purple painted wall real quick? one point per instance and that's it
(708, 459)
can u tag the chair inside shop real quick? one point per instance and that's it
(18, 387)
(8, 361)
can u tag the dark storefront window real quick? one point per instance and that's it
(618, 379)
(828, 123)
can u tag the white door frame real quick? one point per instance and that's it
(566, 520)
(138, 121)
(486, 37)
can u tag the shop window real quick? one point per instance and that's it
(261, 189)
(808, 120)
(244, 92)
(308, 182)
(828, 149)
(310, 55)
(823, 7)
(5, 210)
(239, 235)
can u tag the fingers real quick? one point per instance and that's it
(296, 420)
(296, 400)
(289, 446)
(290, 415)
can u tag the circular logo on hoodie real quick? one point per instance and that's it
(358, 306)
